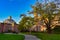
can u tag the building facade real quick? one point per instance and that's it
(9, 25)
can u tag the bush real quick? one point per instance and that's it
(56, 29)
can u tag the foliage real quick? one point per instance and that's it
(56, 30)
(26, 23)
(46, 12)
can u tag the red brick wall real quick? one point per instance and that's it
(5, 27)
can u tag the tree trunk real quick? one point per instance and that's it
(49, 30)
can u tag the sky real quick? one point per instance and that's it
(14, 8)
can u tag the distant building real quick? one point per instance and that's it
(9, 25)
(56, 20)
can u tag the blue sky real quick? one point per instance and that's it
(14, 8)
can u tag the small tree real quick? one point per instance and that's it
(25, 23)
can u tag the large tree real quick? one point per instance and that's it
(50, 9)
(45, 12)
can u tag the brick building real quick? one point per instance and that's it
(9, 25)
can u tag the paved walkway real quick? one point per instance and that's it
(31, 37)
(27, 37)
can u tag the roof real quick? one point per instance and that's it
(9, 20)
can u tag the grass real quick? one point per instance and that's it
(11, 37)
(45, 36)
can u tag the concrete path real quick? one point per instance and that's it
(31, 37)
(27, 37)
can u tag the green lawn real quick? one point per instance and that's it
(45, 36)
(11, 37)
